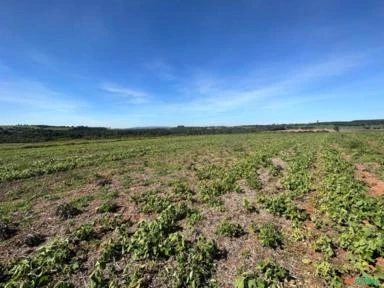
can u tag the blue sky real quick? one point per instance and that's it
(166, 63)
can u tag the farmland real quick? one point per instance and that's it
(265, 209)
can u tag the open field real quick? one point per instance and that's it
(244, 210)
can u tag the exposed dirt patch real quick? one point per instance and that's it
(376, 186)
(279, 163)
(349, 280)
(380, 263)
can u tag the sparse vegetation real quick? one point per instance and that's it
(194, 211)
(67, 211)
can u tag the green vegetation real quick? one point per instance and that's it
(66, 211)
(282, 205)
(38, 133)
(324, 245)
(229, 229)
(151, 201)
(107, 207)
(267, 274)
(188, 211)
(270, 235)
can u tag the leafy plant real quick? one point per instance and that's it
(229, 229)
(270, 235)
(156, 239)
(194, 216)
(282, 205)
(37, 269)
(107, 207)
(181, 189)
(324, 245)
(326, 271)
(195, 264)
(82, 201)
(249, 207)
(85, 232)
(66, 211)
(151, 201)
(267, 274)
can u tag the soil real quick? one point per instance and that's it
(243, 253)
(376, 186)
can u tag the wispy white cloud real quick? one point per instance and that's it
(161, 69)
(129, 95)
(208, 93)
(35, 95)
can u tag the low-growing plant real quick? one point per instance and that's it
(127, 181)
(328, 273)
(112, 250)
(181, 189)
(82, 201)
(85, 232)
(298, 234)
(324, 245)
(107, 207)
(195, 264)
(253, 180)
(270, 235)
(246, 253)
(194, 216)
(64, 284)
(67, 211)
(157, 239)
(107, 194)
(248, 206)
(230, 229)
(151, 201)
(38, 270)
(282, 205)
(369, 280)
(109, 222)
(267, 274)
